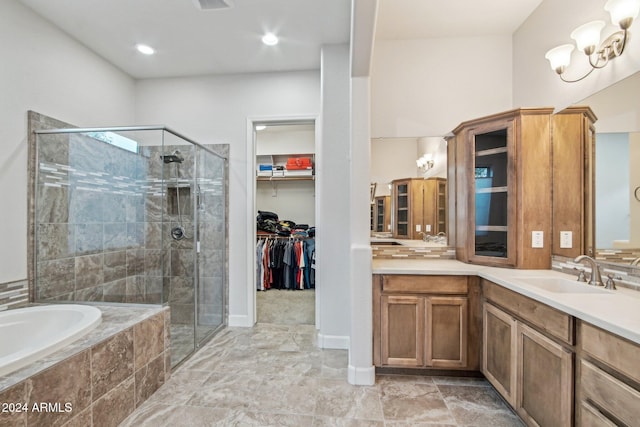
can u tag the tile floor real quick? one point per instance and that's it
(273, 375)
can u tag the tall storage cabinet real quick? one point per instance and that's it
(503, 170)
(381, 214)
(418, 206)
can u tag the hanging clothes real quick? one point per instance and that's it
(285, 264)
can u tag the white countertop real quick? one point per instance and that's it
(615, 311)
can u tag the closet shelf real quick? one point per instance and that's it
(286, 178)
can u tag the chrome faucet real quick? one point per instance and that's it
(596, 278)
(425, 237)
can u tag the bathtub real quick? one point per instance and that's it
(28, 334)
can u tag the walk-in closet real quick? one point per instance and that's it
(285, 223)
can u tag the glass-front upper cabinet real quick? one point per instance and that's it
(491, 195)
(401, 220)
(491, 200)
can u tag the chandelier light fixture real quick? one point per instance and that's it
(587, 38)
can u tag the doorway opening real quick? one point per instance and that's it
(284, 287)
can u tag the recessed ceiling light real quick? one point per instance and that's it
(270, 39)
(147, 50)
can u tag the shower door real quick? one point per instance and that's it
(210, 243)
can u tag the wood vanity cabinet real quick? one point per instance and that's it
(607, 379)
(503, 168)
(418, 203)
(527, 355)
(426, 322)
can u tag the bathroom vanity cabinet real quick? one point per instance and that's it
(527, 354)
(503, 167)
(428, 322)
(418, 206)
(607, 378)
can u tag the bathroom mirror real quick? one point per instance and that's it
(617, 229)
(395, 159)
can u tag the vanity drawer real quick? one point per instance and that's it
(612, 350)
(608, 393)
(406, 283)
(591, 417)
(547, 319)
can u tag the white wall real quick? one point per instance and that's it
(392, 158)
(291, 200)
(427, 87)
(215, 109)
(46, 71)
(550, 25)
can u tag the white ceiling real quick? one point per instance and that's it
(189, 41)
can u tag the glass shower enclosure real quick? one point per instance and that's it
(133, 215)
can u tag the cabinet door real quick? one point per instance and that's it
(545, 380)
(401, 209)
(446, 332)
(401, 324)
(492, 204)
(499, 351)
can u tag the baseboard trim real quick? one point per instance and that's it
(362, 376)
(239, 320)
(336, 342)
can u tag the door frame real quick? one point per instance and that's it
(251, 201)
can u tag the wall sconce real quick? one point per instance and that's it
(425, 162)
(587, 38)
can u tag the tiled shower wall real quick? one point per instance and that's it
(103, 230)
(96, 207)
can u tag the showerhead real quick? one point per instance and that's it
(172, 158)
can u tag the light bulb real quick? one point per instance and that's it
(587, 36)
(623, 12)
(560, 57)
(270, 39)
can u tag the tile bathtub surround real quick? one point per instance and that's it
(14, 294)
(274, 375)
(103, 377)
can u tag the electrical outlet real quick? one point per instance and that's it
(427, 228)
(566, 239)
(418, 228)
(537, 239)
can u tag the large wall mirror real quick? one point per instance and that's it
(409, 175)
(617, 176)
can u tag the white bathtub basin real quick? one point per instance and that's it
(563, 286)
(29, 334)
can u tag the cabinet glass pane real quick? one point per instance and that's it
(491, 180)
(403, 229)
(403, 215)
(403, 201)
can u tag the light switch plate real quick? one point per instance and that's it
(427, 228)
(537, 239)
(566, 239)
(418, 227)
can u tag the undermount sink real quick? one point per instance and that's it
(563, 286)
